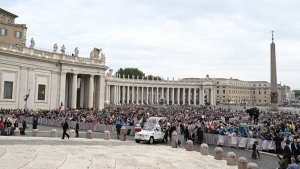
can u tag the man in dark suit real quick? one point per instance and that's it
(295, 149)
(65, 127)
(192, 136)
(200, 135)
(77, 128)
(118, 128)
(288, 151)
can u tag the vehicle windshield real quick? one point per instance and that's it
(151, 123)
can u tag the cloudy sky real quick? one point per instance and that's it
(172, 38)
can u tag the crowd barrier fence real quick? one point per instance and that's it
(240, 142)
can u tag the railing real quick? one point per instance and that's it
(158, 81)
(72, 124)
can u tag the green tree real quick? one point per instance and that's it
(131, 72)
(135, 72)
(151, 77)
(297, 92)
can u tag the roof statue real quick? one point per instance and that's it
(76, 52)
(55, 47)
(32, 43)
(63, 49)
(103, 58)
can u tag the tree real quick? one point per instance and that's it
(297, 92)
(131, 72)
(136, 73)
(151, 77)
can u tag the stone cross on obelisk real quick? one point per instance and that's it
(274, 93)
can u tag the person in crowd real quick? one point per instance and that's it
(257, 149)
(34, 123)
(8, 127)
(288, 151)
(186, 133)
(77, 128)
(200, 135)
(295, 149)
(192, 136)
(293, 165)
(118, 128)
(283, 162)
(254, 151)
(24, 125)
(166, 134)
(65, 127)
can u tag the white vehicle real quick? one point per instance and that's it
(152, 131)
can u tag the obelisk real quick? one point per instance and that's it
(274, 93)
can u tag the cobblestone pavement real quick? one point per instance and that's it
(46, 153)
(267, 161)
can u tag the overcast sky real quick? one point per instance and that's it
(172, 38)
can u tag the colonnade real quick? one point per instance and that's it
(123, 94)
(82, 90)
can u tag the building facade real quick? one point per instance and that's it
(36, 79)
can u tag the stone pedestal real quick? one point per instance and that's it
(251, 166)
(123, 133)
(204, 149)
(189, 145)
(53, 133)
(17, 132)
(242, 163)
(106, 135)
(218, 153)
(174, 142)
(231, 158)
(89, 134)
(72, 133)
(35, 133)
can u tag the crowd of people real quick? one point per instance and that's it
(193, 121)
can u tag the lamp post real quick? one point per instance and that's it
(26, 98)
(244, 103)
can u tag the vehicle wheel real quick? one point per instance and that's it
(137, 141)
(151, 140)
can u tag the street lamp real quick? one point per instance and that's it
(26, 98)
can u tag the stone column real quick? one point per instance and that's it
(82, 91)
(91, 92)
(137, 95)
(157, 95)
(62, 92)
(74, 90)
(168, 96)
(178, 95)
(212, 97)
(128, 95)
(147, 95)
(183, 95)
(173, 93)
(101, 92)
(194, 96)
(189, 96)
(142, 97)
(119, 94)
(132, 94)
(202, 96)
(123, 94)
(152, 95)
(54, 90)
(107, 91)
